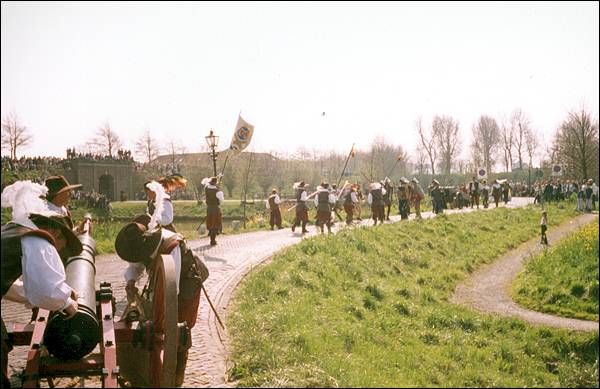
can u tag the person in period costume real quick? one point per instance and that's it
(417, 195)
(589, 195)
(59, 196)
(324, 201)
(485, 194)
(506, 192)
(338, 206)
(139, 243)
(159, 192)
(581, 197)
(437, 197)
(273, 206)
(496, 192)
(357, 207)
(403, 198)
(350, 201)
(301, 207)
(474, 191)
(214, 198)
(34, 245)
(387, 198)
(544, 228)
(375, 200)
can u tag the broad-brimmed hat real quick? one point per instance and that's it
(73, 246)
(404, 180)
(435, 182)
(134, 243)
(415, 180)
(58, 184)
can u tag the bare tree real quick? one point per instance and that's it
(507, 144)
(428, 143)
(445, 132)
(14, 135)
(486, 136)
(531, 144)
(576, 145)
(175, 148)
(520, 125)
(106, 140)
(147, 146)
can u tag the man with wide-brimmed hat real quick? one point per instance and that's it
(485, 194)
(59, 195)
(474, 192)
(301, 208)
(324, 201)
(403, 198)
(214, 198)
(350, 201)
(416, 196)
(388, 196)
(375, 200)
(437, 197)
(272, 205)
(34, 244)
(140, 244)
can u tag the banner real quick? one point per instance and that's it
(482, 173)
(241, 135)
(557, 170)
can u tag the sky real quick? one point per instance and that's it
(317, 75)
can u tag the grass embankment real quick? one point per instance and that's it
(563, 280)
(369, 307)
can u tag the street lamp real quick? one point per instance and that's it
(213, 140)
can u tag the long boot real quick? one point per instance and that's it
(304, 230)
(182, 357)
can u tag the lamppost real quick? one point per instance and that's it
(213, 140)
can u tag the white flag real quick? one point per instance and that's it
(482, 173)
(557, 170)
(241, 135)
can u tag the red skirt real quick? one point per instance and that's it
(214, 221)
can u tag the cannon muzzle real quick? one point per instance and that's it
(78, 336)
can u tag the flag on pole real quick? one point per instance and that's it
(241, 135)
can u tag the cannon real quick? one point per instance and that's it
(141, 350)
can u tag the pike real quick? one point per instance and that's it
(351, 154)
(393, 167)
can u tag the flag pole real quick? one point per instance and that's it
(393, 167)
(345, 164)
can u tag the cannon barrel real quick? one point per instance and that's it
(76, 337)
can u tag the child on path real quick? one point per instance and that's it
(544, 227)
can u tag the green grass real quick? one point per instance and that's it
(563, 280)
(369, 307)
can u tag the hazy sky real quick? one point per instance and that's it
(180, 69)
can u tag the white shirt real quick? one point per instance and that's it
(54, 208)
(44, 279)
(304, 196)
(135, 270)
(276, 200)
(353, 197)
(166, 216)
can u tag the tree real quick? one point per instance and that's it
(174, 148)
(106, 140)
(576, 145)
(428, 143)
(147, 146)
(421, 160)
(486, 136)
(507, 144)
(520, 127)
(531, 145)
(445, 132)
(14, 135)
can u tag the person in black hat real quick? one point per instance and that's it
(214, 198)
(324, 201)
(437, 197)
(273, 206)
(139, 245)
(33, 246)
(59, 196)
(301, 208)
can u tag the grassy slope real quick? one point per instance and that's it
(563, 280)
(369, 307)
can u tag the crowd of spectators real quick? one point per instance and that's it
(32, 163)
(122, 155)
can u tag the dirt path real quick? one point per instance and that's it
(487, 290)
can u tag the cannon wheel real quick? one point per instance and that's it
(154, 365)
(163, 358)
